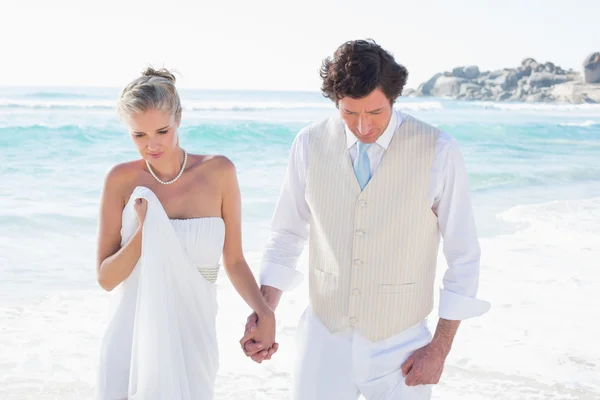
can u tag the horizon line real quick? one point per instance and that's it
(92, 86)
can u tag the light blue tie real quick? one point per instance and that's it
(362, 166)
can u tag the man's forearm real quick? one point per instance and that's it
(444, 335)
(271, 295)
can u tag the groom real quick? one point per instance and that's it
(372, 190)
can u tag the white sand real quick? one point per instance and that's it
(539, 341)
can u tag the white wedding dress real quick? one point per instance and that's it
(160, 342)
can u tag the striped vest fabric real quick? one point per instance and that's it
(372, 253)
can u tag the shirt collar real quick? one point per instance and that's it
(386, 138)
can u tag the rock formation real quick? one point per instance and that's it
(530, 82)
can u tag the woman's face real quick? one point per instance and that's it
(154, 133)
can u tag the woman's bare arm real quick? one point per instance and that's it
(113, 262)
(235, 264)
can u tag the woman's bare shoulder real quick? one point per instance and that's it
(213, 163)
(121, 178)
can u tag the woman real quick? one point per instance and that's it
(165, 221)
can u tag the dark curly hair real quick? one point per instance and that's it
(357, 68)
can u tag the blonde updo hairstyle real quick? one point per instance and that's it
(155, 89)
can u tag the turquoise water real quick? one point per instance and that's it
(57, 144)
(534, 172)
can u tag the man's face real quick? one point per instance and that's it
(367, 117)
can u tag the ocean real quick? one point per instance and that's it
(534, 173)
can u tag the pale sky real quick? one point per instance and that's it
(279, 45)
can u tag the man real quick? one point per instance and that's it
(373, 188)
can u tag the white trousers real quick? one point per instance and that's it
(343, 366)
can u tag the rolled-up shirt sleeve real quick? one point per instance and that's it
(290, 223)
(452, 205)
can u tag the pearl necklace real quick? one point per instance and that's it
(174, 179)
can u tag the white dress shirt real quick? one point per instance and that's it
(449, 199)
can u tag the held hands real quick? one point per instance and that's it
(258, 342)
(425, 365)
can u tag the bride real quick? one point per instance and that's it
(165, 221)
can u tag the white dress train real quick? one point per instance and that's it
(160, 342)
